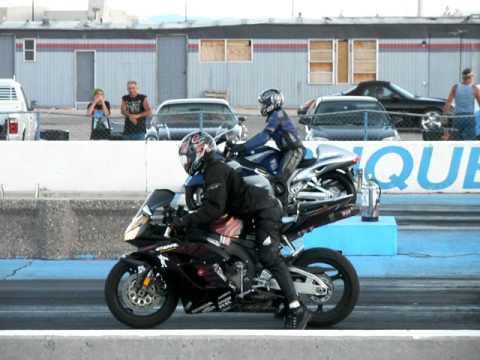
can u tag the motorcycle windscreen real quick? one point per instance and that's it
(158, 198)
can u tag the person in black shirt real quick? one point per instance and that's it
(135, 108)
(99, 111)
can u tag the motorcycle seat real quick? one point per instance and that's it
(306, 163)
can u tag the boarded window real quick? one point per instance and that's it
(321, 62)
(342, 61)
(364, 60)
(239, 50)
(212, 50)
(29, 50)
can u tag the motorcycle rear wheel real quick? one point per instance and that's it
(322, 262)
(339, 183)
(127, 316)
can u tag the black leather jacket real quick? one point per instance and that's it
(226, 193)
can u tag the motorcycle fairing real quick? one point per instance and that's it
(265, 157)
(214, 300)
(194, 180)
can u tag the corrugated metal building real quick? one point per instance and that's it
(60, 63)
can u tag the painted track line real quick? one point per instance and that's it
(409, 334)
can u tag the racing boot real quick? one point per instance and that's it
(297, 318)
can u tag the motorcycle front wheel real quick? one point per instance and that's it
(143, 307)
(341, 278)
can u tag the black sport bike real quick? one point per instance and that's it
(217, 269)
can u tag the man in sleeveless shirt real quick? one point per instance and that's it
(135, 108)
(465, 94)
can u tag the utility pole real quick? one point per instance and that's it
(420, 8)
(186, 8)
(33, 10)
(293, 8)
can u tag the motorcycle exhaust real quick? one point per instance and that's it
(322, 217)
(305, 195)
(307, 205)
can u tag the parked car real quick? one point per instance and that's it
(394, 98)
(347, 118)
(17, 122)
(174, 119)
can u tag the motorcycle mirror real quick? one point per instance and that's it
(242, 119)
(228, 135)
(304, 120)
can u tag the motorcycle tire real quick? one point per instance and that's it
(344, 181)
(351, 284)
(124, 315)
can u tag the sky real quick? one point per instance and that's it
(254, 9)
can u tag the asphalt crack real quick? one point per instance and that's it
(15, 271)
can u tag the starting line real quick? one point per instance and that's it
(412, 334)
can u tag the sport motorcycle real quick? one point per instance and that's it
(216, 269)
(321, 179)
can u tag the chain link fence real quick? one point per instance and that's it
(374, 125)
(358, 125)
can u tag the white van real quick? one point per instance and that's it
(17, 122)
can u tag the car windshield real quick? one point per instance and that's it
(183, 108)
(402, 91)
(195, 115)
(347, 91)
(350, 113)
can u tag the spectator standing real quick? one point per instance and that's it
(135, 108)
(99, 111)
(464, 94)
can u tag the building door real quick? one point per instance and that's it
(444, 66)
(421, 71)
(172, 67)
(7, 51)
(85, 73)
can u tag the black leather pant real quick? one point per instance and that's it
(290, 161)
(267, 228)
(289, 164)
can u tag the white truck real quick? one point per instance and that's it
(17, 121)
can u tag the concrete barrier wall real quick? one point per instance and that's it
(65, 229)
(241, 345)
(98, 166)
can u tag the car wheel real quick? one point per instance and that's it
(431, 116)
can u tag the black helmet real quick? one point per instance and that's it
(194, 150)
(271, 100)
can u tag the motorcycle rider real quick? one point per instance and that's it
(282, 130)
(225, 192)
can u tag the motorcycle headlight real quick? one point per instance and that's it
(135, 227)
